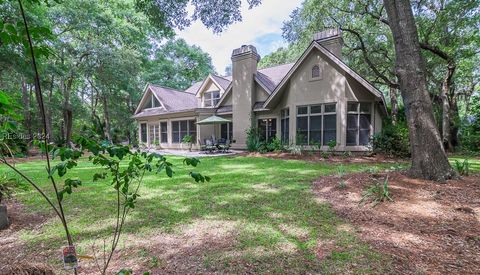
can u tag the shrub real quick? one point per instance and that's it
(392, 141)
(296, 149)
(275, 145)
(253, 140)
(7, 186)
(463, 168)
(377, 193)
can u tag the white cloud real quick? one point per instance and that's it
(265, 20)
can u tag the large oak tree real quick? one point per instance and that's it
(429, 160)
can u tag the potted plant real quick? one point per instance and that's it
(188, 140)
(6, 189)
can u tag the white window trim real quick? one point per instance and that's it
(358, 146)
(322, 114)
(212, 99)
(160, 131)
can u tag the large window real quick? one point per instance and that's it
(267, 128)
(284, 126)
(358, 123)
(154, 133)
(182, 128)
(227, 131)
(211, 99)
(316, 124)
(143, 132)
(163, 132)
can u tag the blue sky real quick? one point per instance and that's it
(261, 27)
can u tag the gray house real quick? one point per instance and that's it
(310, 102)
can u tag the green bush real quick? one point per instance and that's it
(253, 140)
(275, 145)
(393, 140)
(469, 134)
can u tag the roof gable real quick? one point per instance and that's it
(330, 57)
(171, 100)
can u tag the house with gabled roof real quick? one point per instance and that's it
(313, 102)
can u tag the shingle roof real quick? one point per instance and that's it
(174, 100)
(194, 88)
(223, 82)
(272, 76)
(224, 109)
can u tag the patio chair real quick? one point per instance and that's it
(224, 147)
(203, 147)
(209, 146)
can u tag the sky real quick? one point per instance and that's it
(261, 27)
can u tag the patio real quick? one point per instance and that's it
(197, 154)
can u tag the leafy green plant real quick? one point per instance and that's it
(463, 168)
(341, 171)
(393, 140)
(7, 186)
(188, 139)
(377, 193)
(342, 184)
(295, 149)
(253, 140)
(331, 146)
(275, 145)
(325, 155)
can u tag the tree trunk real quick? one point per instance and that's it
(67, 112)
(48, 131)
(106, 118)
(27, 117)
(446, 108)
(394, 104)
(429, 160)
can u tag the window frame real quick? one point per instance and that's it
(358, 113)
(285, 125)
(320, 72)
(268, 130)
(162, 133)
(229, 131)
(189, 130)
(309, 115)
(146, 132)
(212, 100)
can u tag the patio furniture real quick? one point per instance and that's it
(225, 146)
(209, 146)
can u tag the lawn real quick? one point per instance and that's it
(262, 212)
(277, 223)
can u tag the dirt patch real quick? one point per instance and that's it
(429, 227)
(327, 157)
(14, 257)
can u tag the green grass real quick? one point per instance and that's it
(277, 218)
(474, 162)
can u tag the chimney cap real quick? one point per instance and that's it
(244, 50)
(327, 34)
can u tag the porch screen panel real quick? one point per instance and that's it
(175, 131)
(192, 130)
(329, 128)
(302, 130)
(227, 131)
(163, 132)
(143, 132)
(315, 130)
(359, 123)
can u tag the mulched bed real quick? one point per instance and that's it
(429, 228)
(328, 158)
(14, 257)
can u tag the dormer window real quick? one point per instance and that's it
(316, 72)
(210, 99)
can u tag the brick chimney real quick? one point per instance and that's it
(244, 68)
(330, 39)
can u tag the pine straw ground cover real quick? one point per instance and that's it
(257, 215)
(429, 228)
